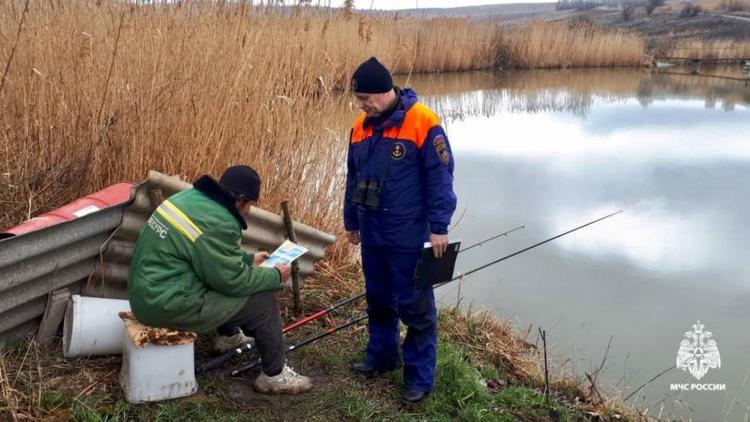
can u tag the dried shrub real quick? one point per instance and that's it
(735, 5)
(691, 11)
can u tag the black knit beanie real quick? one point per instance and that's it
(241, 180)
(371, 77)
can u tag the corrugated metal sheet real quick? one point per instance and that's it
(113, 195)
(265, 231)
(99, 246)
(35, 263)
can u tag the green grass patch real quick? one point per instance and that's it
(460, 393)
(530, 405)
(331, 361)
(85, 409)
(356, 405)
(489, 372)
(199, 410)
(92, 409)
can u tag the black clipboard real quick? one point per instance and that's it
(431, 270)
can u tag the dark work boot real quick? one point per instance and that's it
(366, 369)
(414, 396)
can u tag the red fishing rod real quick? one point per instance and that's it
(327, 333)
(304, 343)
(248, 347)
(361, 295)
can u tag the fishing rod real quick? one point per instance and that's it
(248, 347)
(536, 245)
(313, 339)
(361, 295)
(304, 343)
(491, 238)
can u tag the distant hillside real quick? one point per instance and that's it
(510, 11)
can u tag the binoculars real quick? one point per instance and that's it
(367, 193)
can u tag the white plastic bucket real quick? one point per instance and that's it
(93, 327)
(154, 373)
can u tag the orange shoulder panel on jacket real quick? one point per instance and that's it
(417, 124)
(358, 130)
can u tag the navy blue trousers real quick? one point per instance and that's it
(391, 296)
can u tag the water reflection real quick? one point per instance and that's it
(460, 95)
(554, 149)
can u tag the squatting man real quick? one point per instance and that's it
(189, 273)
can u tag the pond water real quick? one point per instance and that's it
(555, 149)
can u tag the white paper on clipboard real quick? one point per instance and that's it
(285, 254)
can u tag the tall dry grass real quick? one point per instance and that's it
(100, 91)
(733, 5)
(712, 49)
(569, 44)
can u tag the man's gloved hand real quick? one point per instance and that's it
(259, 257)
(439, 244)
(353, 237)
(286, 272)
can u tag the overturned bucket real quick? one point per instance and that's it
(93, 327)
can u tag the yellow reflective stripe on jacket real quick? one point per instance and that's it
(183, 216)
(179, 220)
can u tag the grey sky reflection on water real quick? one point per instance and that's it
(590, 172)
(674, 157)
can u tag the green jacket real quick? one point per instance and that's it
(188, 271)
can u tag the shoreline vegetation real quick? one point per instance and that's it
(98, 92)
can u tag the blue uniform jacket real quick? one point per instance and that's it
(410, 153)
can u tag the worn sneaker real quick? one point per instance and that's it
(287, 382)
(223, 344)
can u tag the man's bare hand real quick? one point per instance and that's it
(439, 244)
(287, 285)
(259, 257)
(285, 271)
(353, 237)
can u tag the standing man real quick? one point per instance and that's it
(188, 272)
(399, 194)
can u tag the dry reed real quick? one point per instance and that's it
(569, 44)
(192, 89)
(734, 5)
(99, 92)
(30, 376)
(728, 50)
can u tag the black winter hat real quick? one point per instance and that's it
(242, 180)
(371, 77)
